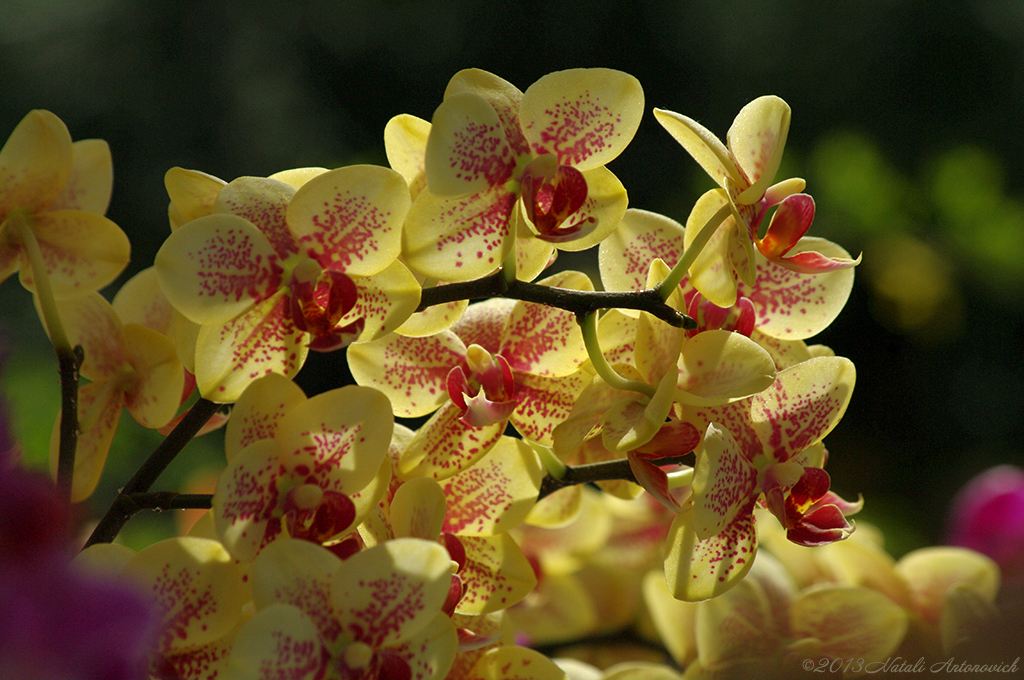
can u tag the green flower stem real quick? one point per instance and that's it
(579, 302)
(67, 361)
(124, 505)
(671, 281)
(509, 265)
(596, 472)
(552, 465)
(600, 362)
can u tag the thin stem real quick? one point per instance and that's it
(596, 472)
(121, 510)
(600, 362)
(677, 273)
(67, 361)
(579, 302)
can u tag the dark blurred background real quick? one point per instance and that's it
(906, 124)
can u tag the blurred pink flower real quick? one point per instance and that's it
(987, 515)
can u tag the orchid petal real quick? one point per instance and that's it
(849, 622)
(510, 662)
(496, 576)
(543, 403)
(633, 421)
(280, 641)
(712, 272)
(430, 653)
(390, 592)
(605, 204)
(103, 405)
(195, 585)
(299, 573)
(444, 445)
(259, 410)
(542, 340)
(639, 238)
(405, 143)
(246, 498)
(802, 406)
(497, 493)
(699, 142)
(384, 302)
(932, 572)
(724, 483)
(504, 97)
(140, 300)
(654, 480)
(339, 437)
(459, 239)
(263, 203)
(586, 117)
(192, 194)
(414, 369)
(417, 509)
(467, 150)
(757, 138)
(716, 367)
(697, 569)
(89, 185)
(34, 163)
(82, 251)
(216, 267)
(795, 306)
(810, 262)
(350, 219)
(745, 613)
(296, 177)
(90, 321)
(154, 399)
(261, 341)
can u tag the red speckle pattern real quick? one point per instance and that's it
(346, 228)
(577, 128)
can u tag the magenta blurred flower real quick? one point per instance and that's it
(987, 515)
(58, 622)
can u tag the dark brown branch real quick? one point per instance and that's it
(596, 472)
(579, 302)
(69, 361)
(121, 510)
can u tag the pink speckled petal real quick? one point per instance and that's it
(467, 150)
(34, 163)
(90, 321)
(82, 251)
(261, 341)
(387, 594)
(258, 411)
(430, 653)
(299, 573)
(545, 341)
(410, 371)
(654, 480)
(503, 96)
(279, 642)
(802, 406)
(246, 498)
(497, 493)
(91, 180)
(757, 138)
(788, 225)
(724, 483)
(384, 302)
(484, 323)
(196, 586)
(350, 219)
(696, 569)
(795, 306)
(625, 256)
(337, 439)
(140, 300)
(544, 403)
(712, 273)
(263, 203)
(585, 117)
(444, 445)
(216, 267)
(496, 575)
(459, 239)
